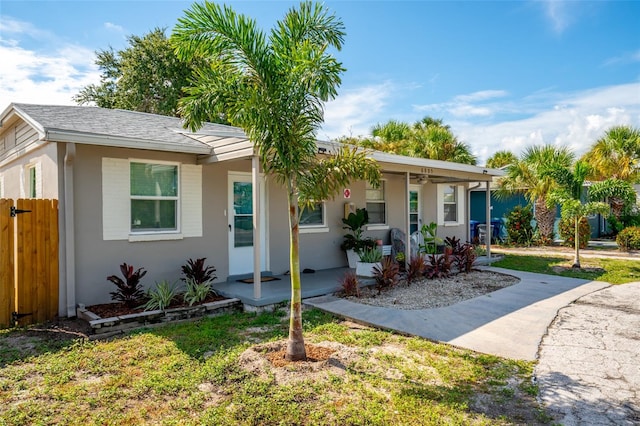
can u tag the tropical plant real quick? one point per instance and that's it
(386, 274)
(566, 229)
(618, 192)
(196, 271)
(355, 223)
(519, 229)
(501, 159)
(416, 268)
(273, 87)
(439, 265)
(427, 138)
(463, 255)
(349, 284)
(161, 296)
(130, 290)
(430, 239)
(629, 238)
(616, 155)
(568, 193)
(527, 176)
(370, 255)
(195, 292)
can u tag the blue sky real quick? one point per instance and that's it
(503, 75)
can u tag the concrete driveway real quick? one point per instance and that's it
(589, 362)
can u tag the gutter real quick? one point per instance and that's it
(69, 231)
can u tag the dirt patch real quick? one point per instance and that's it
(561, 269)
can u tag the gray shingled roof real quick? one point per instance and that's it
(120, 124)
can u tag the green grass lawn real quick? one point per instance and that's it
(194, 373)
(614, 271)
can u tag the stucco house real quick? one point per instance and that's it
(139, 188)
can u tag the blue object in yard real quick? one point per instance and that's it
(496, 225)
(473, 229)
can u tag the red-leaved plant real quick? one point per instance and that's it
(129, 290)
(196, 271)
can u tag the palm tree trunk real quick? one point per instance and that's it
(617, 206)
(295, 345)
(576, 259)
(545, 217)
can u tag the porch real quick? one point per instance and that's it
(319, 283)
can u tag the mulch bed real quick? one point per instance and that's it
(107, 310)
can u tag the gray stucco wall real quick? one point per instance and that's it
(15, 177)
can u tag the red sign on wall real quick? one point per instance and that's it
(347, 193)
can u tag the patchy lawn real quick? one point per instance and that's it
(217, 371)
(614, 271)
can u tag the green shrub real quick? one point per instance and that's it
(196, 292)
(161, 296)
(629, 238)
(371, 255)
(519, 229)
(567, 231)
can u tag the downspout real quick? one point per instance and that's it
(255, 183)
(487, 238)
(69, 230)
(469, 210)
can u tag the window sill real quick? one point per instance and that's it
(452, 224)
(380, 227)
(314, 229)
(134, 238)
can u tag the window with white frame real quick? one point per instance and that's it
(150, 200)
(376, 204)
(313, 216)
(33, 181)
(154, 197)
(450, 204)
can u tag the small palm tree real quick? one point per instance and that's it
(616, 156)
(528, 176)
(500, 159)
(568, 194)
(274, 87)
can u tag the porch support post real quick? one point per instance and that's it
(487, 238)
(69, 250)
(407, 226)
(255, 183)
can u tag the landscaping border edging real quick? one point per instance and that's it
(122, 323)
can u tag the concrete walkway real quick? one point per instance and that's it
(509, 322)
(589, 366)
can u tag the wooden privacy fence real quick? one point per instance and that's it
(28, 261)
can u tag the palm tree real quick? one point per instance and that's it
(616, 156)
(273, 86)
(569, 195)
(527, 176)
(427, 138)
(500, 159)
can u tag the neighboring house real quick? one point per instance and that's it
(139, 188)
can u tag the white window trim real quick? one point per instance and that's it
(316, 229)
(116, 202)
(460, 200)
(384, 225)
(1, 185)
(26, 180)
(177, 198)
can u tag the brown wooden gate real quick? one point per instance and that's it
(28, 261)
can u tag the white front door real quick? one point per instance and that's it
(415, 208)
(240, 219)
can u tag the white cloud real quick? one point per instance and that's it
(557, 13)
(582, 118)
(49, 78)
(354, 112)
(114, 27)
(462, 105)
(625, 58)
(481, 95)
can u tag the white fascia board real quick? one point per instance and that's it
(93, 139)
(14, 111)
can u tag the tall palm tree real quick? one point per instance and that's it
(616, 155)
(273, 86)
(527, 176)
(501, 158)
(568, 194)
